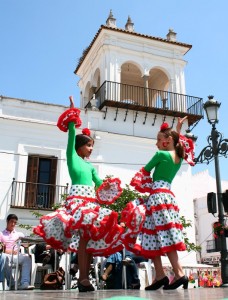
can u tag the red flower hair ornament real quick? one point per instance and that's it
(164, 126)
(86, 131)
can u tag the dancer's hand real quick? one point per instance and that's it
(180, 123)
(122, 224)
(71, 102)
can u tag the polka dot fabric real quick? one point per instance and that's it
(159, 229)
(82, 215)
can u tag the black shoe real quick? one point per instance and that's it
(85, 288)
(158, 284)
(181, 281)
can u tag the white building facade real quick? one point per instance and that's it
(130, 84)
(203, 184)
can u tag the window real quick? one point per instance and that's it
(40, 182)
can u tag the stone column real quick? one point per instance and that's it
(146, 91)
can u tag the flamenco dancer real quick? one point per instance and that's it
(82, 225)
(159, 229)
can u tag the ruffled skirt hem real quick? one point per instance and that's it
(153, 224)
(82, 217)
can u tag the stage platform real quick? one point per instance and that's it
(179, 294)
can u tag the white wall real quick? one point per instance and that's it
(203, 184)
(121, 150)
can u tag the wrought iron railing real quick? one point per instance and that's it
(36, 195)
(140, 98)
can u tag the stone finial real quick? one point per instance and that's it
(171, 36)
(111, 21)
(129, 25)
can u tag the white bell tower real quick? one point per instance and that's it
(123, 67)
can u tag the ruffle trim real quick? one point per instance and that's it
(109, 196)
(188, 148)
(70, 200)
(162, 228)
(134, 216)
(142, 181)
(160, 207)
(160, 190)
(56, 244)
(70, 115)
(107, 230)
(152, 253)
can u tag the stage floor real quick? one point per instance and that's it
(179, 294)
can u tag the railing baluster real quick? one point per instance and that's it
(35, 195)
(126, 93)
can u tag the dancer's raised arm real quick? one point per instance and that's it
(180, 122)
(71, 101)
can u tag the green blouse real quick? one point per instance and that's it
(81, 172)
(165, 167)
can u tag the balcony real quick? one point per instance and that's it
(130, 97)
(32, 195)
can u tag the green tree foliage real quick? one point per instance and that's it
(190, 246)
(126, 196)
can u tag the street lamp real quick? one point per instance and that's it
(190, 135)
(217, 146)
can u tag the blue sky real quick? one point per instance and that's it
(42, 41)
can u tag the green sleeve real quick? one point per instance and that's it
(80, 171)
(72, 157)
(152, 163)
(96, 178)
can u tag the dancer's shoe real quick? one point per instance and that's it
(181, 281)
(158, 284)
(85, 288)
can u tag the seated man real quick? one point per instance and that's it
(9, 237)
(131, 260)
(5, 270)
(113, 271)
(45, 254)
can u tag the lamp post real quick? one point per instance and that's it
(217, 146)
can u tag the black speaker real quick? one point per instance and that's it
(211, 203)
(225, 200)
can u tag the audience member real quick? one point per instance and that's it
(113, 271)
(74, 261)
(9, 237)
(132, 273)
(45, 254)
(5, 270)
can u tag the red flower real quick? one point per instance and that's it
(219, 229)
(216, 224)
(164, 126)
(86, 131)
